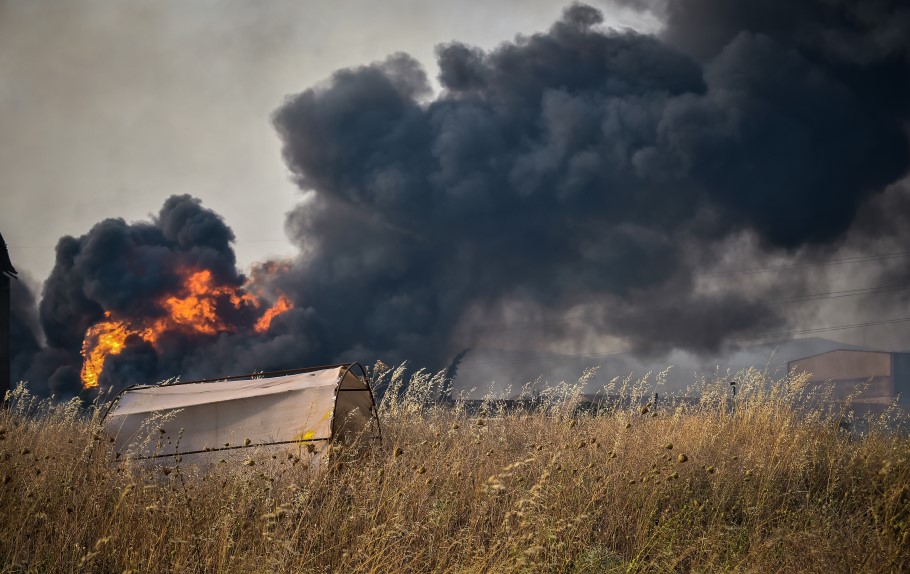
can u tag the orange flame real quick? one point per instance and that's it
(102, 339)
(197, 310)
(280, 306)
(193, 310)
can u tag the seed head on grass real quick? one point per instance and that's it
(452, 500)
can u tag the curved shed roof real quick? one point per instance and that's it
(299, 411)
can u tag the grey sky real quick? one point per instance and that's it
(107, 107)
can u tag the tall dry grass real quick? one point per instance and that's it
(771, 488)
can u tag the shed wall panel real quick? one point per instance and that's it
(840, 365)
(302, 415)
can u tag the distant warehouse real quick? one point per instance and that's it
(872, 378)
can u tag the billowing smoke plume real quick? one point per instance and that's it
(24, 328)
(582, 180)
(589, 169)
(125, 270)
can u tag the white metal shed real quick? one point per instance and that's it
(300, 411)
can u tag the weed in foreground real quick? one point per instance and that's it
(777, 486)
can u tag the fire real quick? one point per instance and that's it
(196, 309)
(280, 306)
(101, 339)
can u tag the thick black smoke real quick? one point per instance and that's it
(581, 177)
(125, 268)
(24, 328)
(585, 166)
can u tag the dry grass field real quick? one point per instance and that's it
(769, 488)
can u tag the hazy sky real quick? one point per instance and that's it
(580, 190)
(107, 107)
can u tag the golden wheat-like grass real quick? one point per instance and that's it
(773, 487)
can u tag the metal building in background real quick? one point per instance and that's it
(870, 377)
(7, 272)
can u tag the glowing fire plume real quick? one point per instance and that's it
(196, 309)
(101, 340)
(280, 306)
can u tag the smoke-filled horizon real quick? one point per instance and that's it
(592, 182)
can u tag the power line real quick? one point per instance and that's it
(779, 335)
(858, 259)
(810, 297)
(782, 335)
(845, 293)
(235, 242)
(821, 329)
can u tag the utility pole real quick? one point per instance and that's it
(7, 273)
